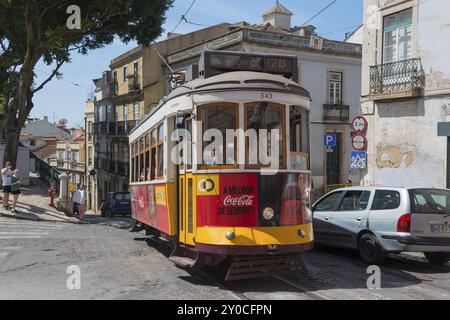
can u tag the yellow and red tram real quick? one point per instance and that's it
(213, 210)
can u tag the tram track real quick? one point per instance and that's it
(402, 274)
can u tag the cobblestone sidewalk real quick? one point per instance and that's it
(33, 205)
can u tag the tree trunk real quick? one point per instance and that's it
(12, 138)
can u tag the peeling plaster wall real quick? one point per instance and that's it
(404, 149)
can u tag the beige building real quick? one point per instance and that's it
(90, 179)
(70, 157)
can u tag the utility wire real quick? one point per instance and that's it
(318, 13)
(339, 30)
(62, 79)
(183, 17)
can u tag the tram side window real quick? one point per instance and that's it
(264, 116)
(147, 157)
(153, 155)
(220, 117)
(160, 151)
(141, 160)
(298, 138)
(132, 162)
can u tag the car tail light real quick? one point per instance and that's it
(404, 223)
(113, 203)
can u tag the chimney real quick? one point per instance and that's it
(278, 16)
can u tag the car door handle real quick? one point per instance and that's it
(359, 219)
(326, 218)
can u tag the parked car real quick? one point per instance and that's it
(378, 221)
(118, 203)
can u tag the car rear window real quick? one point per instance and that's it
(123, 196)
(386, 200)
(430, 201)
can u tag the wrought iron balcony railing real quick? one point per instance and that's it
(115, 167)
(336, 112)
(117, 128)
(399, 79)
(133, 82)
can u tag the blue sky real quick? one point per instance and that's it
(61, 99)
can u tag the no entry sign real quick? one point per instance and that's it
(359, 124)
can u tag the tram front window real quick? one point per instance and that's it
(265, 116)
(219, 117)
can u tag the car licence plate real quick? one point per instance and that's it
(440, 228)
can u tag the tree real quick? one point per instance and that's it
(50, 30)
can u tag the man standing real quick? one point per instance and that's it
(6, 182)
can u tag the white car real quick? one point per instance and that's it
(378, 221)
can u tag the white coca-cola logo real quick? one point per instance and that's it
(244, 200)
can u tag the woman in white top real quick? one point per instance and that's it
(7, 175)
(79, 200)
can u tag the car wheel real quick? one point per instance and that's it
(109, 214)
(370, 250)
(437, 257)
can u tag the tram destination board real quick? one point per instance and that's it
(216, 62)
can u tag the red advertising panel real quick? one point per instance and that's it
(235, 204)
(139, 203)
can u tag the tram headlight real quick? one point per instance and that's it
(230, 235)
(268, 213)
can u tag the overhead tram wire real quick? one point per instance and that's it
(318, 13)
(183, 17)
(68, 81)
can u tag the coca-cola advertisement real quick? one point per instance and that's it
(235, 205)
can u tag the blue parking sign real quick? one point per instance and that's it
(330, 140)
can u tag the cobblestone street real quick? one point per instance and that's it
(117, 264)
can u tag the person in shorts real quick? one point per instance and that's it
(7, 175)
(16, 184)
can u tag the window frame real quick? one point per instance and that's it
(384, 31)
(283, 134)
(372, 207)
(332, 84)
(203, 166)
(353, 210)
(336, 205)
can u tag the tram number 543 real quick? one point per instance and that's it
(266, 95)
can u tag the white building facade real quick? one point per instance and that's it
(406, 92)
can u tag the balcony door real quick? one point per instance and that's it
(397, 35)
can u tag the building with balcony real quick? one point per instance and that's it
(406, 92)
(90, 178)
(70, 157)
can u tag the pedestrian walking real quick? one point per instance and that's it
(83, 202)
(16, 185)
(79, 202)
(7, 175)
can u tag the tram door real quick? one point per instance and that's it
(186, 196)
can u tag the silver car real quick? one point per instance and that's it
(378, 221)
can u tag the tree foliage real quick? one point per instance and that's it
(35, 30)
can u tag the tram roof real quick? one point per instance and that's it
(239, 80)
(235, 80)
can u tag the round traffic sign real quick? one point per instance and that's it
(359, 124)
(359, 142)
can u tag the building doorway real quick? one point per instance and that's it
(333, 162)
